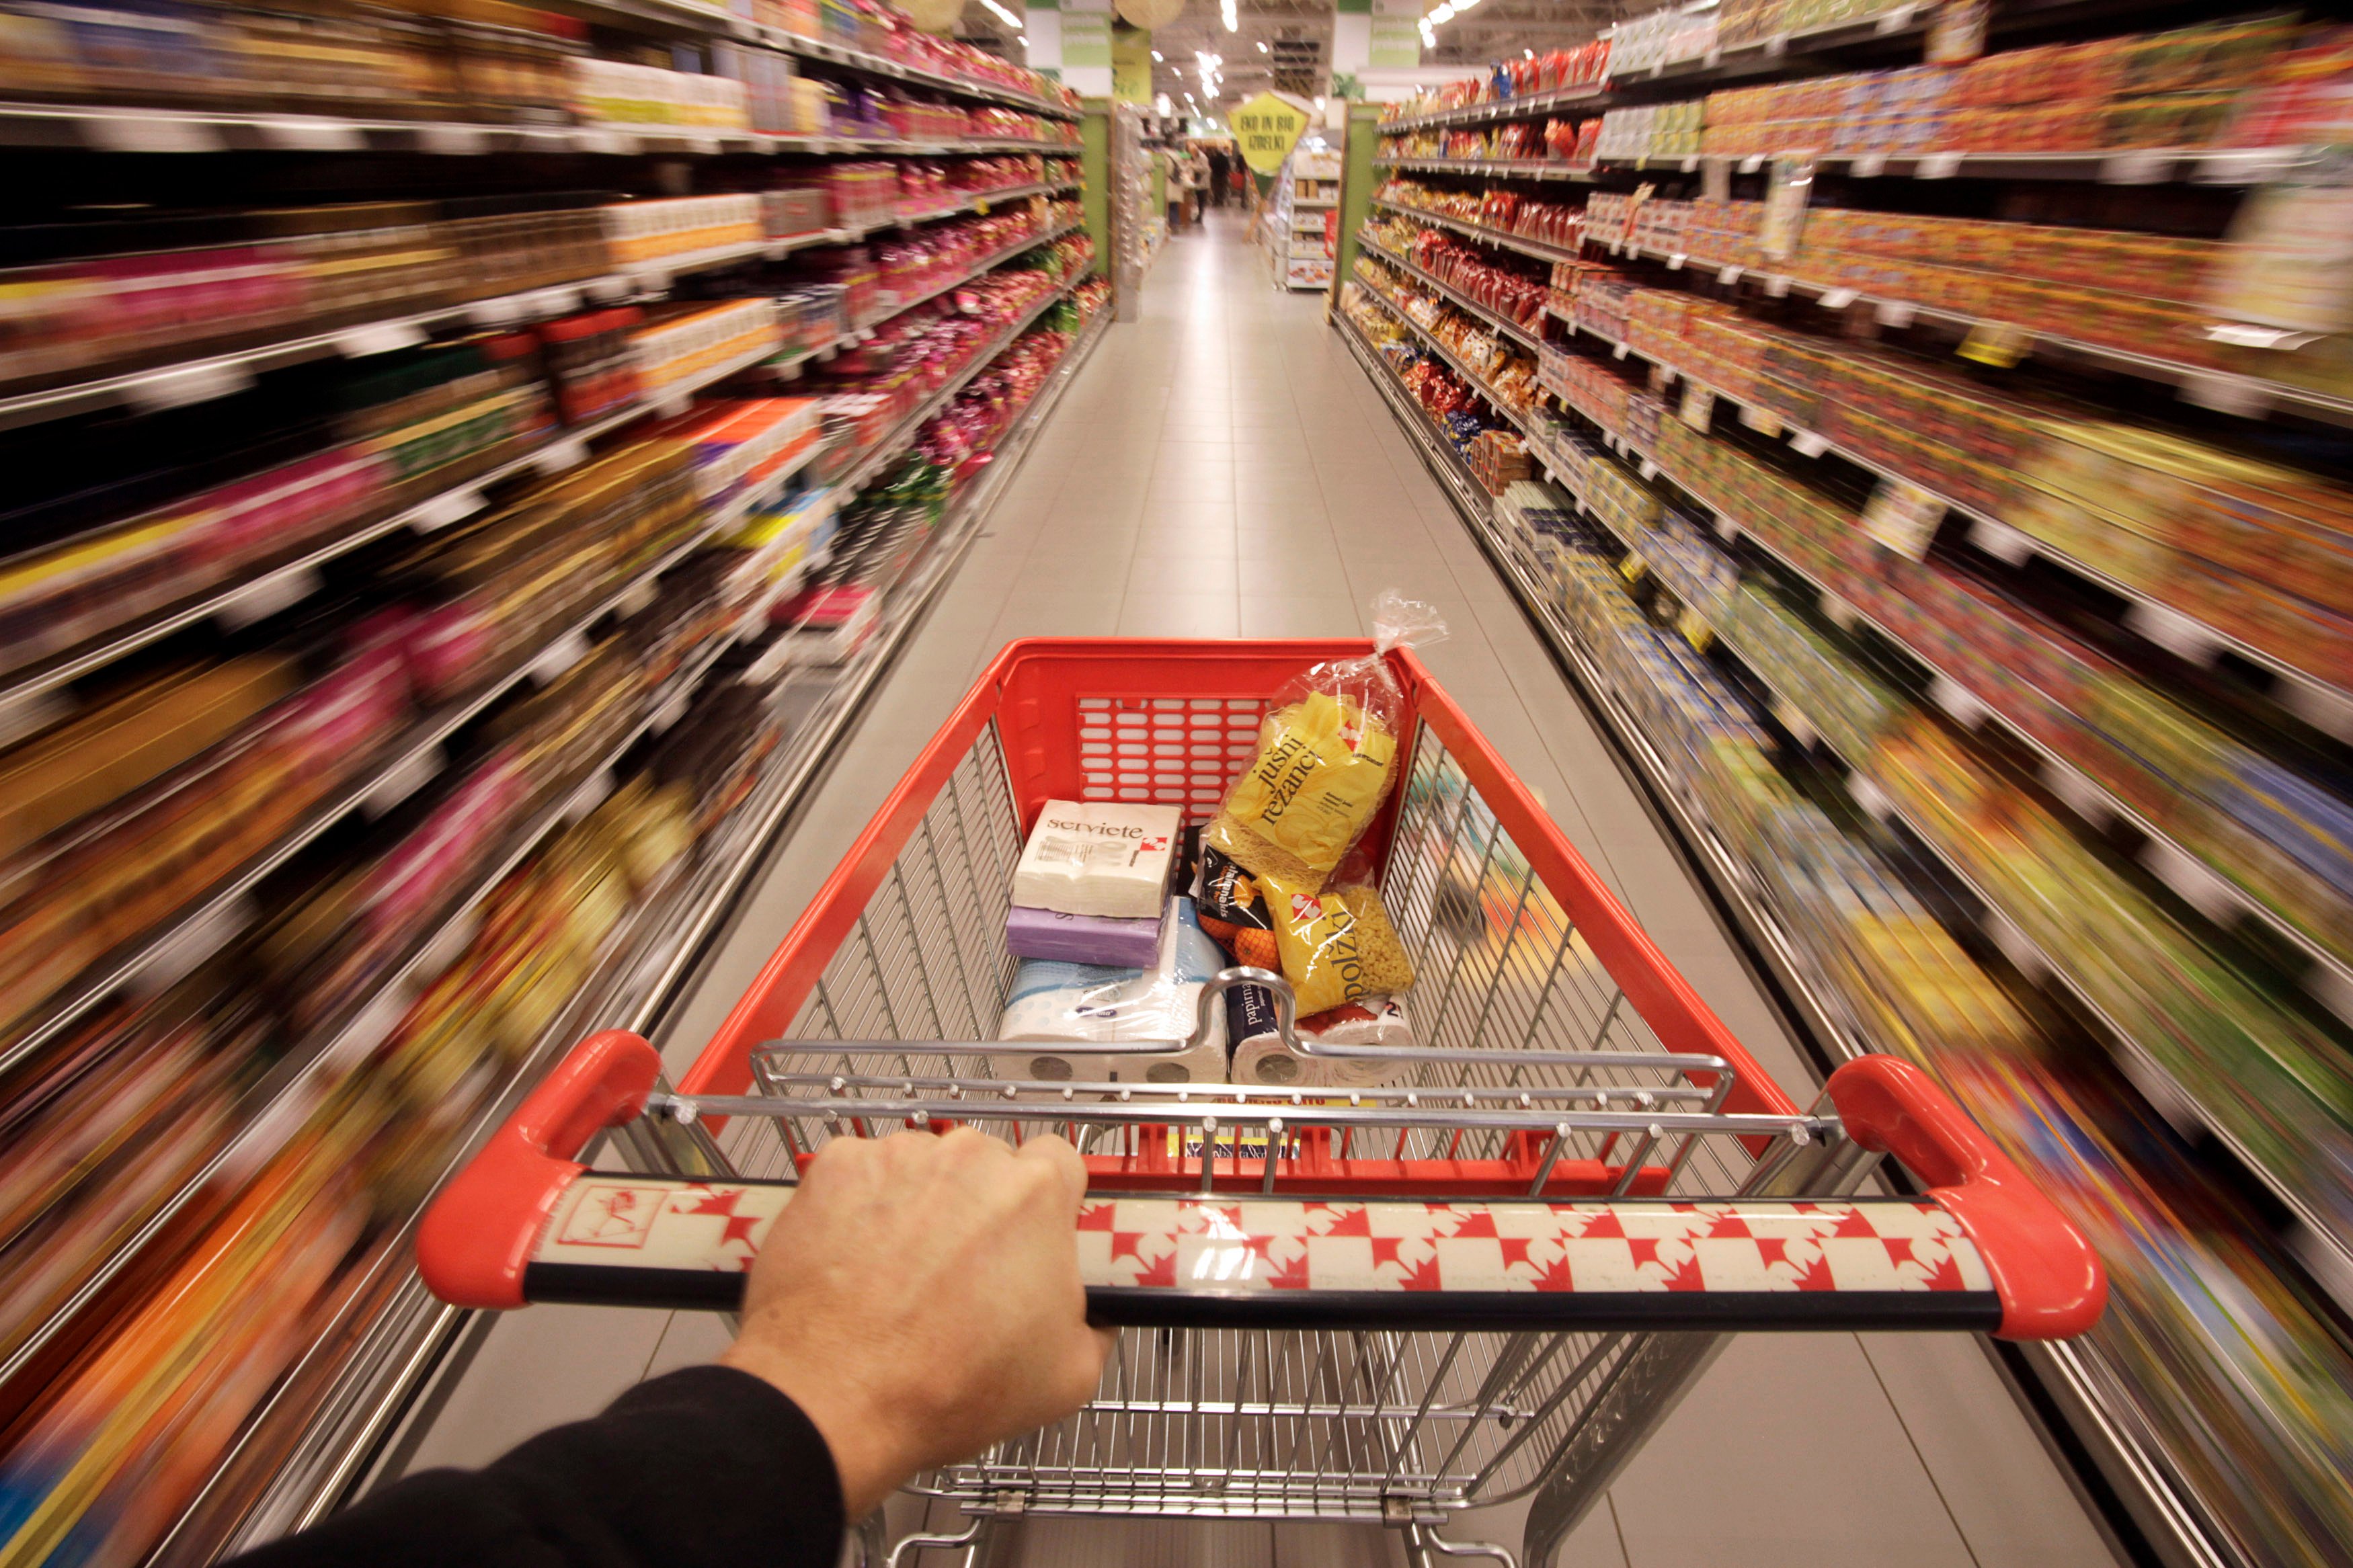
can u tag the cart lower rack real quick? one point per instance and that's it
(1491, 1275)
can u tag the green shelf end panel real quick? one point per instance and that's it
(1094, 177)
(1358, 180)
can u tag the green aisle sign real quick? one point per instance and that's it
(1267, 128)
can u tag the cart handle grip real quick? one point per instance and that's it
(2045, 1271)
(479, 1232)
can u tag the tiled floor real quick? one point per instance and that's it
(1223, 468)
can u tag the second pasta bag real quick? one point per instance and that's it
(1338, 945)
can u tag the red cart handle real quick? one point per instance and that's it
(1983, 1251)
(478, 1234)
(2047, 1274)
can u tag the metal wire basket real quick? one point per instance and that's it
(1490, 1275)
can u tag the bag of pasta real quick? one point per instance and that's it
(1326, 756)
(1338, 945)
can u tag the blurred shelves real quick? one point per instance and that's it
(2152, 166)
(871, 463)
(789, 366)
(2327, 1244)
(2321, 703)
(1678, 801)
(209, 921)
(1481, 232)
(106, 128)
(200, 379)
(2202, 884)
(26, 699)
(2329, 979)
(1509, 168)
(1432, 342)
(1508, 328)
(2223, 391)
(372, 1379)
(1738, 60)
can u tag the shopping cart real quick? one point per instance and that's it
(1493, 1277)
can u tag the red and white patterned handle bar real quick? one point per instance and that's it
(1983, 1250)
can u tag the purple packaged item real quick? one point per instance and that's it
(1081, 939)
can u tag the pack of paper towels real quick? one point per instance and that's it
(1071, 1005)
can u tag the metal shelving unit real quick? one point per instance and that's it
(369, 1393)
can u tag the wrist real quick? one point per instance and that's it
(872, 1452)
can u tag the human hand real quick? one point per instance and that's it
(919, 1299)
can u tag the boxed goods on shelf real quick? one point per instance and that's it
(482, 60)
(402, 426)
(109, 305)
(680, 226)
(679, 343)
(619, 92)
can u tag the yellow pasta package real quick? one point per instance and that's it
(1326, 757)
(1337, 946)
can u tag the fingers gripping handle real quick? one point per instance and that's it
(2046, 1273)
(481, 1231)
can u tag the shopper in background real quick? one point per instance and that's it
(917, 1301)
(1218, 167)
(1171, 179)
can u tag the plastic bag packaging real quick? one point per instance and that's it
(1261, 1057)
(1233, 910)
(1072, 1004)
(1326, 757)
(1337, 946)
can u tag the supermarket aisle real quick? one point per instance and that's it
(1221, 468)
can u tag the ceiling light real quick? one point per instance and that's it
(1227, 15)
(1319, 106)
(1262, 48)
(1530, 53)
(1441, 16)
(1158, 58)
(1002, 14)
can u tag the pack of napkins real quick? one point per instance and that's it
(1098, 857)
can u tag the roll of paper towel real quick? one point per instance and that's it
(1265, 1062)
(1065, 1007)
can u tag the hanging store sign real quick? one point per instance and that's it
(1266, 128)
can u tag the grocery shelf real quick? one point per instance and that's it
(1508, 328)
(2329, 979)
(206, 923)
(1740, 59)
(2200, 882)
(2225, 391)
(2103, 1408)
(200, 379)
(710, 21)
(891, 444)
(25, 698)
(1735, 884)
(299, 1080)
(2135, 167)
(1431, 341)
(1512, 168)
(2322, 703)
(112, 127)
(977, 201)
(1480, 232)
(2331, 1245)
(377, 1378)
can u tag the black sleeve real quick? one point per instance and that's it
(708, 1467)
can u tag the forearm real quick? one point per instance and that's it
(709, 1468)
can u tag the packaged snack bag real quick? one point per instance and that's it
(1326, 756)
(1233, 910)
(1337, 946)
